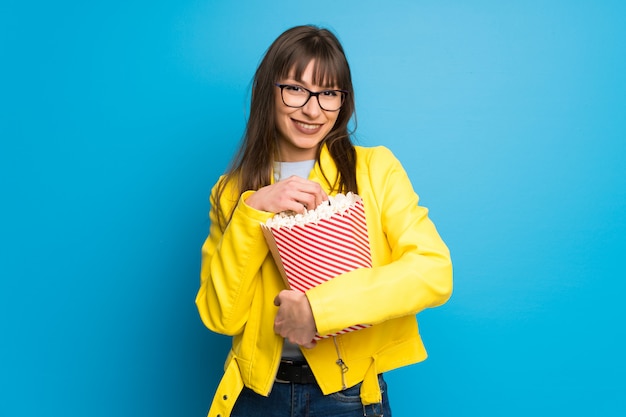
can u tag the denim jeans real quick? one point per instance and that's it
(307, 400)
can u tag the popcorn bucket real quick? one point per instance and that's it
(312, 248)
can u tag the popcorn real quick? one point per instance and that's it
(316, 246)
(338, 204)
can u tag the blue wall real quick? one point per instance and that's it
(117, 117)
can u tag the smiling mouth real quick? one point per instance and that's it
(307, 126)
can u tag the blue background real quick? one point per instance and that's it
(117, 117)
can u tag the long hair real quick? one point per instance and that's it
(290, 54)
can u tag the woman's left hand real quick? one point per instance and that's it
(294, 319)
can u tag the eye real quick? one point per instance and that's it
(294, 88)
(330, 93)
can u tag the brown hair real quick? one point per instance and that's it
(290, 54)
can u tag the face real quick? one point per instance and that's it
(300, 130)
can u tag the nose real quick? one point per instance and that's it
(312, 107)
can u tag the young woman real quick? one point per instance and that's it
(297, 151)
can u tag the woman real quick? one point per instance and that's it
(297, 151)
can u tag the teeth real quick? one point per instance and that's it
(307, 126)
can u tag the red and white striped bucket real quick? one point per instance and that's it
(312, 253)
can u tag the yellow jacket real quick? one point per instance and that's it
(411, 271)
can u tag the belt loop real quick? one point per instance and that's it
(370, 389)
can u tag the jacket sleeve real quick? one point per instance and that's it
(412, 266)
(231, 260)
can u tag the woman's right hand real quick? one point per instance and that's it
(292, 194)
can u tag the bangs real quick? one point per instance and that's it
(328, 69)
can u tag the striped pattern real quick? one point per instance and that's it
(317, 252)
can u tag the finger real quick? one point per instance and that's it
(302, 207)
(310, 345)
(277, 328)
(316, 190)
(308, 201)
(318, 198)
(308, 186)
(277, 300)
(302, 192)
(323, 199)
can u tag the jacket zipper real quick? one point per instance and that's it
(342, 365)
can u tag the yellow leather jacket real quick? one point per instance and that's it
(411, 271)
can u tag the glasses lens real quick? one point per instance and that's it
(294, 96)
(330, 100)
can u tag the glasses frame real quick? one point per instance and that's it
(311, 94)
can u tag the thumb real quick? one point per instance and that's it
(277, 300)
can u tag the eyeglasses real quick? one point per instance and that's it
(297, 96)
